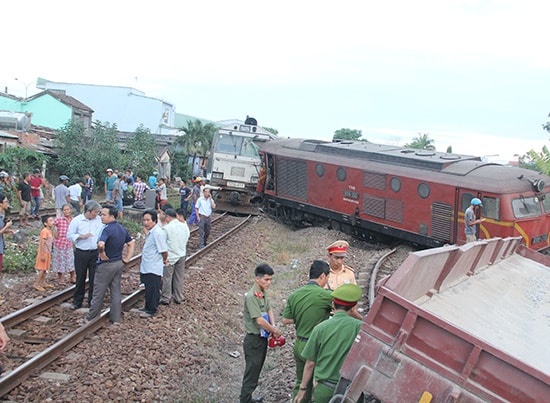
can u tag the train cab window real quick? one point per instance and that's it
(546, 202)
(341, 174)
(229, 144)
(423, 190)
(491, 208)
(526, 207)
(250, 149)
(465, 201)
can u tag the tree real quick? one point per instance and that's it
(272, 131)
(347, 134)
(422, 142)
(73, 151)
(449, 149)
(197, 138)
(537, 161)
(21, 160)
(141, 150)
(104, 151)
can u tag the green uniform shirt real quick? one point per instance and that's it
(329, 344)
(255, 305)
(308, 306)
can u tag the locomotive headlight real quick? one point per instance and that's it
(217, 175)
(253, 179)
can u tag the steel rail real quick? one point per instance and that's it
(15, 377)
(372, 285)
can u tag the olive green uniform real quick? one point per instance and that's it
(328, 347)
(256, 305)
(307, 307)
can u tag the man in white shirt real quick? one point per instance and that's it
(203, 208)
(177, 235)
(84, 231)
(75, 194)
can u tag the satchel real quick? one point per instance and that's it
(139, 204)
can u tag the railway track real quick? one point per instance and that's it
(71, 333)
(381, 265)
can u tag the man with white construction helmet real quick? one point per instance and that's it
(470, 220)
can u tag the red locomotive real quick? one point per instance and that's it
(375, 191)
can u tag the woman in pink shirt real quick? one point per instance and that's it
(63, 256)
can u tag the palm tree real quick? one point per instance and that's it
(540, 160)
(196, 138)
(422, 142)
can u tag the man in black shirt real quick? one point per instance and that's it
(24, 196)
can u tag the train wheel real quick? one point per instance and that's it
(334, 225)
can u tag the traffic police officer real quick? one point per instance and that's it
(329, 344)
(339, 272)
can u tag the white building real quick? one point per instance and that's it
(125, 106)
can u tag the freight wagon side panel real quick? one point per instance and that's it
(417, 338)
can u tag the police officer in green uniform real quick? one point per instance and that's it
(329, 344)
(306, 308)
(258, 323)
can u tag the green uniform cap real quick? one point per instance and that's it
(347, 293)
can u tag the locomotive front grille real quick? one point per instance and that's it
(237, 171)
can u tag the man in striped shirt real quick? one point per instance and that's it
(139, 188)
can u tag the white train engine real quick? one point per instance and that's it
(235, 166)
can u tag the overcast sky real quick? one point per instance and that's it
(472, 74)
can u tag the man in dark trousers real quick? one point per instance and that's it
(24, 196)
(258, 324)
(110, 265)
(84, 232)
(306, 308)
(329, 344)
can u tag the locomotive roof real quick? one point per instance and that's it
(411, 157)
(246, 129)
(467, 170)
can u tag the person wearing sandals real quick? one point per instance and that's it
(62, 254)
(43, 256)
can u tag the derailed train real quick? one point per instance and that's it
(376, 191)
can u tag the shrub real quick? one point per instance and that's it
(19, 258)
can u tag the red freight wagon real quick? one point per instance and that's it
(457, 324)
(372, 191)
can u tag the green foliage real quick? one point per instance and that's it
(21, 160)
(348, 134)
(180, 165)
(133, 227)
(141, 150)
(105, 150)
(196, 138)
(73, 150)
(450, 150)
(19, 258)
(80, 152)
(272, 131)
(422, 142)
(539, 161)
